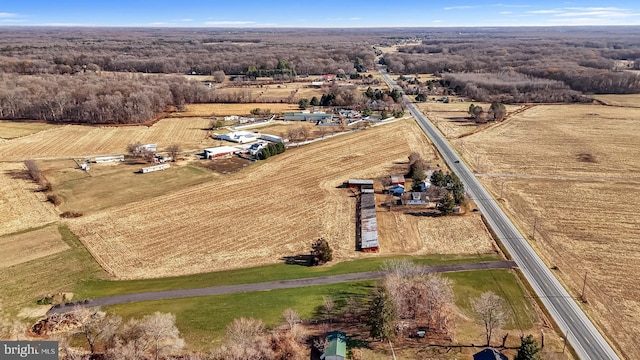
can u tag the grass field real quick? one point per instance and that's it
(16, 129)
(79, 141)
(26, 246)
(102, 287)
(87, 192)
(202, 320)
(573, 170)
(25, 282)
(263, 213)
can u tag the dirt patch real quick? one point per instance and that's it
(584, 157)
(225, 166)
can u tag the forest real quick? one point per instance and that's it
(130, 75)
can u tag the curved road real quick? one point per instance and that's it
(265, 286)
(581, 333)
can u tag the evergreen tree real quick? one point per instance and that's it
(321, 252)
(446, 204)
(314, 101)
(528, 350)
(438, 179)
(382, 315)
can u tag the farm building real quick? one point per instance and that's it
(396, 190)
(414, 198)
(104, 159)
(220, 151)
(397, 180)
(336, 348)
(360, 183)
(317, 116)
(238, 137)
(272, 138)
(154, 168)
(368, 222)
(316, 83)
(147, 147)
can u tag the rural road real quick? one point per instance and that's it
(265, 286)
(583, 336)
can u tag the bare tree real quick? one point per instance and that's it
(323, 131)
(491, 309)
(245, 339)
(293, 134)
(292, 318)
(135, 148)
(304, 132)
(160, 329)
(173, 150)
(328, 306)
(218, 76)
(132, 343)
(95, 326)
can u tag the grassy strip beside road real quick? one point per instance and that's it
(94, 288)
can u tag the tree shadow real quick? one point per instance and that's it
(431, 214)
(19, 174)
(301, 260)
(355, 342)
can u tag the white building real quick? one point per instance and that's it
(220, 151)
(241, 137)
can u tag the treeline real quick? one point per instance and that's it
(511, 87)
(588, 61)
(95, 99)
(197, 51)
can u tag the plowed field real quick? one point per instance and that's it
(79, 141)
(574, 171)
(21, 206)
(272, 210)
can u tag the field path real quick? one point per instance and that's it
(265, 286)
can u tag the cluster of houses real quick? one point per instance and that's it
(397, 189)
(248, 143)
(343, 116)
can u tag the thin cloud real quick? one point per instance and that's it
(186, 19)
(460, 7)
(550, 11)
(354, 18)
(7, 15)
(585, 14)
(232, 23)
(506, 12)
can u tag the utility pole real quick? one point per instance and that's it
(565, 340)
(584, 285)
(535, 222)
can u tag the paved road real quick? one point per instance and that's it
(272, 285)
(582, 334)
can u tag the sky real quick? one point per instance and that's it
(318, 13)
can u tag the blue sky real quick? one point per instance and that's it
(322, 13)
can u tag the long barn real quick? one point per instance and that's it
(368, 221)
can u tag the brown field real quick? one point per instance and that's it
(453, 118)
(576, 170)
(21, 206)
(15, 129)
(23, 247)
(272, 210)
(79, 141)
(234, 109)
(631, 100)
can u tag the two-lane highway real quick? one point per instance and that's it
(581, 333)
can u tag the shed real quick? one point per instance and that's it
(357, 183)
(397, 180)
(154, 168)
(489, 354)
(337, 346)
(368, 222)
(220, 151)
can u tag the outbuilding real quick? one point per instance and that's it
(336, 348)
(220, 152)
(397, 180)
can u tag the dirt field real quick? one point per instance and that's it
(23, 247)
(80, 141)
(21, 206)
(631, 100)
(575, 169)
(234, 109)
(268, 211)
(15, 129)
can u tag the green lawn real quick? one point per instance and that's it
(202, 320)
(93, 288)
(24, 283)
(470, 284)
